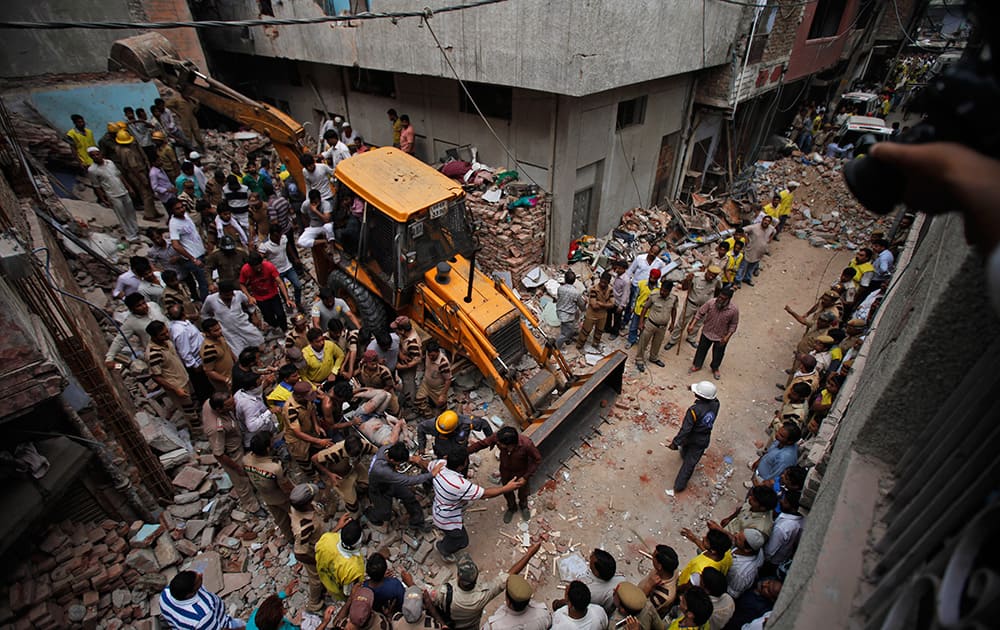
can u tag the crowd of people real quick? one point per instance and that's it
(736, 579)
(310, 407)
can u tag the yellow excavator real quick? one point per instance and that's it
(414, 255)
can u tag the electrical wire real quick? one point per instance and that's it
(210, 24)
(96, 308)
(899, 20)
(468, 95)
(780, 5)
(631, 170)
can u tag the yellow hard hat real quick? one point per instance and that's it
(159, 135)
(112, 127)
(447, 422)
(124, 137)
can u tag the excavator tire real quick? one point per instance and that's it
(370, 310)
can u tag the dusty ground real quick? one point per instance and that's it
(614, 497)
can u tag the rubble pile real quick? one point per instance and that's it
(44, 142)
(512, 239)
(223, 147)
(826, 214)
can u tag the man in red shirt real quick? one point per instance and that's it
(262, 283)
(519, 457)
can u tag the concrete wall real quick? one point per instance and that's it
(921, 348)
(551, 136)
(560, 46)
(28, 53)
(812, 55)
(586, 134)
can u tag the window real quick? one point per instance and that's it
(765, 23)
(631, 112)
(826, 18)
(495, 101)
(377, 82)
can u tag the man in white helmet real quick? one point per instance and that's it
(696, 431)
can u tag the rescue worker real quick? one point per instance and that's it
(696, 431)
(451, 432)
(135, 169)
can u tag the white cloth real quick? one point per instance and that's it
(309, 235)
(239, 332)
(220, 228)
(200, 177)
(253, 414)
(186, 233)
(108, 177)
(325, 208)
(276, 253)
(337, 153)
(784, 538)
(126, 283)
(743, 573)
(452, 492)
(319, 179)
(595, 619)
(602, 591)
(187, 340)
(759, 623)
(135, 326)
(639, 269)
(535, 617)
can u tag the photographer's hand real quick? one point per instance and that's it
(946, 176)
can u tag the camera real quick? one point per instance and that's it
(960, 106)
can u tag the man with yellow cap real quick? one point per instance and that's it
(135, 168)
(107, 143)
(451, 432)
(519, 612)
(700, 288)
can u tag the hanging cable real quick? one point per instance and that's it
(631, 171)
(209, 24)
(461, 83)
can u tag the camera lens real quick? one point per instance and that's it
(877, 185)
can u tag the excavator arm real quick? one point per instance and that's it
(152, 56)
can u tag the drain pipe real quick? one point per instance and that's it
(121, 481)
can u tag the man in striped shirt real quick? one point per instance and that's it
(186, 605)
(452, 492)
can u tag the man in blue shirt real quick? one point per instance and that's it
(883, 262)
(781, 454)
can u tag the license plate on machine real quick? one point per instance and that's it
(438, 210)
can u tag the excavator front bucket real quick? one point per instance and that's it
(142, 54)
(576, 415)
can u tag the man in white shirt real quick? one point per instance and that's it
(275, 249)
(786, 531)
(187, 340)
(579, 613)
(141, 313)
(452, 492)
(199, 172)
(747, 560)
(317, 176)
(337, 152)
(129, 281)
(602, 579)
(186, 241)
(639, 271)
(319, 214)
(113, 191)
(518, 612)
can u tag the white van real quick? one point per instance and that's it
(856, 126)
(864, 103)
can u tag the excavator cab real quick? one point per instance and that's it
(416, 257)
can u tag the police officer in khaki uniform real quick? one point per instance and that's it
(307, 527)
(700, 289)
(410, 357)
(226, 439)
(303, 434)
(268, 477)
(345, 464)
(600, 301)
(658, 315)
(519, 612)
(630, 601)
(464, 599)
